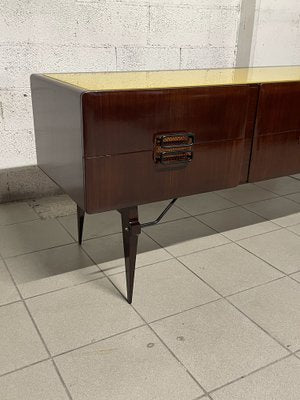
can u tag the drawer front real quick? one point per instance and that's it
(278, 108)
(134, 178)
(128, 121)
(275, 155)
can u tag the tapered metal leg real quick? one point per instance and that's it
(131, 229)
(80, 221)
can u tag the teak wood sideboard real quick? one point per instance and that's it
(116, 140)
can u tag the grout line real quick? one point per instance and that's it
(98, 341)
(20, 222)
(24, 367)
(260, 258)
(185, 310)
(208, 212)
(251, 373)
(65, 287)
(37, 251)
(254, 287)
(12, 302)
(293, 279)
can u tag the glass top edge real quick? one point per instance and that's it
(155, 79)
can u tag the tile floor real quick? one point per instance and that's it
(216, 310)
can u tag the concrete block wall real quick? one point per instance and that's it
(94, 35)
(276, 39)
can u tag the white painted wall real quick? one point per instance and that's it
(94, 35)
(276, 39)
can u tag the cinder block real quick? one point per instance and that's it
(30, 182)
(16, 110)
(148, 58)
(223, 28)
(207, 57)
(17, 149)
(20, 61)
(210, 4)
(179, 26)
(38, 21)
(113, 23)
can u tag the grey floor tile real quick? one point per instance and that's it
(53, 206)
(276, 382)
(185, 236)
(282, 211)
(217, 344)
(81, 314)
(95, 225)
(20, 344)
(8, 292)
(13, 213)
(31, 236)
(247, 193)
(134, 365)
(203, 203)
(237, 223)
(276, 308)
(281, 186)
(279, 248)
(166, 288)
(38, 382)
(149, 212)
(295, 229)
(230, 268)
(52, 269)
(108, 252)
(295, 197)
(296, 276)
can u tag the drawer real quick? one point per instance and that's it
(128, 121)
(275, 155)
(122, 180)
(278, 108)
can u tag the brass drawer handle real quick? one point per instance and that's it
(175, 140)
(175, 157)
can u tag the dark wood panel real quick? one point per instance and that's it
(249, 132)
(58, 134)
(132, 179)
(275, 155)
(121, 122)
(279, 108)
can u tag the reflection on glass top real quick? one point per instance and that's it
(105, 81)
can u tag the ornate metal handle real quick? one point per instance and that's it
(174, 140)
(174, 148)
(175, 157)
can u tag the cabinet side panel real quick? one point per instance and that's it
(58, 134)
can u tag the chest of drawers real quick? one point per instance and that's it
(119, 140)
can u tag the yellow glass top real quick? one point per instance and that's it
(107, 81)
